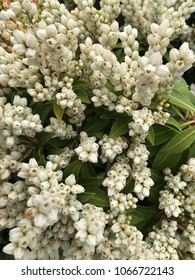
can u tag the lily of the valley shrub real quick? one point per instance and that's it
(97, 150)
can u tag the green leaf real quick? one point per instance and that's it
(99, 199)
(58, 111)
(120, 126)
(110, 87)
(157, 175)
(109, 115)
(154, 193)
(73, 168)
(182, 86)
(174, 110)
(40, 158)
(87, 170)
(118, 46)
(82, 94)
(151, 136)
(173, 123)
(54, 149)
(91, 182)
(42, 109)
(80, 84)
(58, 143)
(181, 141)
(191, 151)
(162, 134)
(129, 187)
(180, 98)
(95, 125)
(143, 216)
(84, 197)
(163, 160)
(43, 137)
(120, 55)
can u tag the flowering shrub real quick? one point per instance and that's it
(97, 150)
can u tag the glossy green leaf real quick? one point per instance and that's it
(180, 99)
(91, 182)
(83, 95)
(173, 123)
(41, 160)
(120, 55)
(182, 86)
(143, 216)
(163, 160)
(99, 199)
(58, 111)
(157, 175)
(154, 193)
(95, 125)
(151, 136)
(109, 115)
(181, 141)
(162, 134)
(85, 197)
(43, 137)
(118, 46)
(120, 126)
(110, 87)
(43, 109)
(73, 168)
(175, 111)
(191, 151)
(54, 149)
(80, 84)
(129, 187)
(87, 170)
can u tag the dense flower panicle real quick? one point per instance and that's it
(111, 147)
(163, 242)
(87, 150)
(73, 189)
(60, 129)
(117, 177)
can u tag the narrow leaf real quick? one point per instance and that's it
(42, 109)
(73, 168)
(162, 134)
(54, 149)
(99, 199)
(157, 175)
(151, 136)
(120, 126)
(182, 86)
(171, 122)
(91, 182)
(82, 94)
(180, 142)
(180, 99)
(143, 216)
(43, 137)
(110, 87)
(191, 151)
(58, 111)
(87, 170)
(94, 125)
(84, 197)
(154, 193)
(163, 160)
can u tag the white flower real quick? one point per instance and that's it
(87, 150)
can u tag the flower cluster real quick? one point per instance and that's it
(92, 109)
(116, 177)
